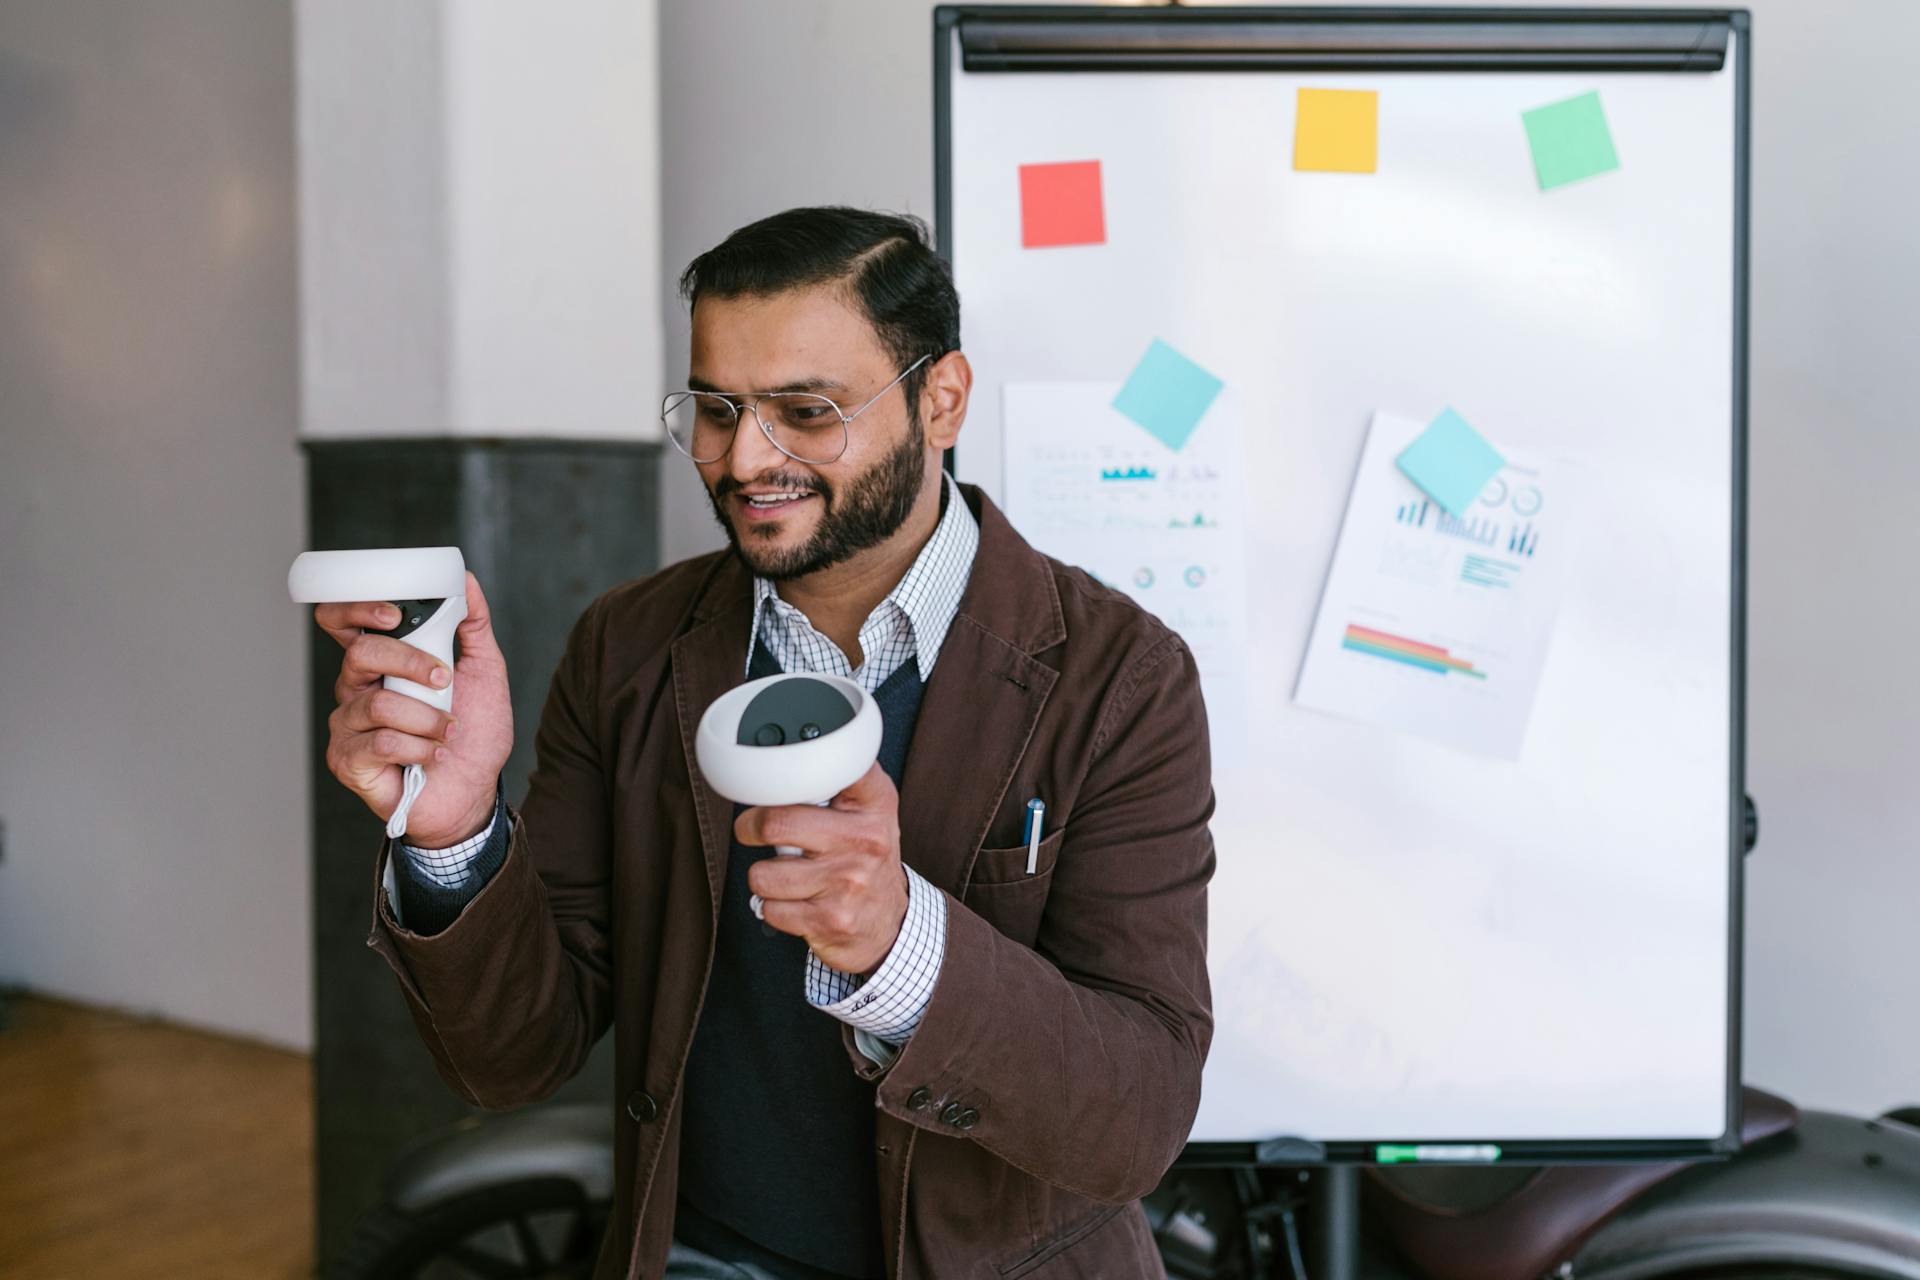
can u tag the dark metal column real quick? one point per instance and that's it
(545, 526)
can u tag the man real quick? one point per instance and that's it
(952, 1054)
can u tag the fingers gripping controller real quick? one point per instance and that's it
(429, 625)
(428, 585)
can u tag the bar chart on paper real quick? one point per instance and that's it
(1435, 624)
(1154, 514)
(1413, 653)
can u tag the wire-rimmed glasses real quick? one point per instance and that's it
(806, 427)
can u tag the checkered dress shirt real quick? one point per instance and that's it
(912, 622)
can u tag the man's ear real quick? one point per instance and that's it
(943, 399)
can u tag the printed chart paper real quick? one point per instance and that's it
(1437, 625)
(1165, 525)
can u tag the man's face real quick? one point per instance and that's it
(809, 515)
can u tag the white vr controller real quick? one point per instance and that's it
(429, 587)
(788, 739)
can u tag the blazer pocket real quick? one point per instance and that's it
(1009, 865)
(1002, 893)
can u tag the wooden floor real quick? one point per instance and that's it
(132, 1148)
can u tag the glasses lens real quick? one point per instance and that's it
(701, 426)
(808, 427)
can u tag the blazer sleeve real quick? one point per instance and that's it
(1081, 1057)
(511, 996)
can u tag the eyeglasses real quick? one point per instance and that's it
(805, 427)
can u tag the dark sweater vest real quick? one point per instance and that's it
(776, 1138)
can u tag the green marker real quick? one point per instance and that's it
(1437, 1153)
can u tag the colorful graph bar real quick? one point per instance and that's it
(1427, 657)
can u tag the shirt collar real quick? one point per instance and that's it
(928, 594)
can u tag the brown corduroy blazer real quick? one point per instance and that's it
(1072, 1013)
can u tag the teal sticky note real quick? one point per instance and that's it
(1167, 394)
(1451, 461)
(1570, 140)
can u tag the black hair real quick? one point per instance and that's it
(886, 261)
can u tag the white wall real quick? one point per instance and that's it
(553, 154)
(479, 219)
(1833, 955)
(375, 336)
(1833, 960)
(477, 208)
(152, 721)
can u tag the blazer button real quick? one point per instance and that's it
(952, 1113)
(968, 1119)
(642, 1108)
(918, 1099)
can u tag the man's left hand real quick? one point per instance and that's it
(847, 895)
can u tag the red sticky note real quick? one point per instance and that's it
(1060, 204)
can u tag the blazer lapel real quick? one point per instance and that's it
(976, 716)
(708, 659)
(982, 702)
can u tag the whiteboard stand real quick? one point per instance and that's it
(1336, 1222)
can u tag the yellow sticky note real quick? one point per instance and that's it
(1336, 130)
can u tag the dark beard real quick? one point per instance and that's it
(874, 506)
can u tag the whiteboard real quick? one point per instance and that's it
(1410, 941)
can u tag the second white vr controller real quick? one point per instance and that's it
(429, 587)
(797, 738)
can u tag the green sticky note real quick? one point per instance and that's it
(1451, 462)
(1570, 140)
(1167, 394)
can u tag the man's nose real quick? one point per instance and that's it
(752, 453)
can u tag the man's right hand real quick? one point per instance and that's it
(375, 732)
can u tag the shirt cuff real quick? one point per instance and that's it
(450, 868)
(888, 1005)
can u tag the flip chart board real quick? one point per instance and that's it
(1478, 771)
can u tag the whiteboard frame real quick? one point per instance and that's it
(1487, 61)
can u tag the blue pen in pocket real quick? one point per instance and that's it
(1036, 818)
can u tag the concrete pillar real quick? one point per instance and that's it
(481, 354)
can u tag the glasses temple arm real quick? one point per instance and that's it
(890, 386)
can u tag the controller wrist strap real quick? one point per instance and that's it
(411, 786)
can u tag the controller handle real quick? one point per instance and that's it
(429, 587)
(428, 624)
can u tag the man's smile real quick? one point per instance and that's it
(759, 506)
